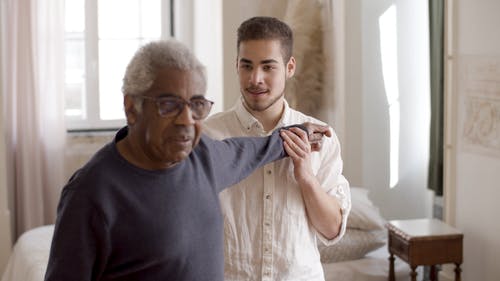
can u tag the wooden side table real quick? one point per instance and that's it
(424, 242)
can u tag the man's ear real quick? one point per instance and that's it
(290, 67)
(130, 111)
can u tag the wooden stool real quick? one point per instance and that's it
(424, 242)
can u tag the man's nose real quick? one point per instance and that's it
(185, 117)
(256, 76)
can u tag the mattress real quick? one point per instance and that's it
(373, 267)
(30, 254)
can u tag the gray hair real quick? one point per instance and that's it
(143, 68)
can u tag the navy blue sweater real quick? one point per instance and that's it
(119, 222)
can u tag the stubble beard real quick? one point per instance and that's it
(258, 107)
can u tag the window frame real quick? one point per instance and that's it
(90, 101)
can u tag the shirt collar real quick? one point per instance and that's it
(247, 120)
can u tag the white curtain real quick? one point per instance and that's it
(32, 75)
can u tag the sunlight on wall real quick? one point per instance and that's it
(208, 46)
(389, 57)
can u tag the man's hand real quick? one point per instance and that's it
(298, 148)
(316, 133)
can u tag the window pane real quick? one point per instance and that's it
(114, 57)
(101, 37)
(151, 19)
(75, 78)
(75, 16)
(120, 35)
(75, 60)
(129, 19)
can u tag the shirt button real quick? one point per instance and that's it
(268, 196)
(269, 172)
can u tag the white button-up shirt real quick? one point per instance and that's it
(267, 232)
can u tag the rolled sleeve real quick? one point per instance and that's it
(343, 195)
(334, 183)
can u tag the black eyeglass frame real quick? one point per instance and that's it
(178, 105)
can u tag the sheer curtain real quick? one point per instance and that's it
(436, 160)
(32, 74)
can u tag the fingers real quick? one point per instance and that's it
(315, 137)
(318, 129)
(300, 142)
(299, 133)
(290, 151)
(316, 146)
(295, 142)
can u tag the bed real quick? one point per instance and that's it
(360, 256)
(30, 254)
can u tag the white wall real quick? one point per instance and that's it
(367, 150)
(477, 177)
(233, 13)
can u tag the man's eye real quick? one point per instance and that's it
(197, 103)
(168, 104)
(246, 66)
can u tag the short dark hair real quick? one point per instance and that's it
(258, 28)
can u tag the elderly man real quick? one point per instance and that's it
(145, 207)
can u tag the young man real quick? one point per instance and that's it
(146, 207)
(273, 218)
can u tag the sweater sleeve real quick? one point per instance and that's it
(234, 159)
(79, 245)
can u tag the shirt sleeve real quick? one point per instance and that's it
(334, 183)
(233, 159)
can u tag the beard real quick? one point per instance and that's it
(261, 105)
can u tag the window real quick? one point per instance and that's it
(101, 37)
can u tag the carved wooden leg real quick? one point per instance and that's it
(433, 273)
(457, 272)
(391, 267)
(413, 273)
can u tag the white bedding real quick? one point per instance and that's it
(29, 257)
(28, 262)
(373, 267)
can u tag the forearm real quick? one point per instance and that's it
(323, 210)
(233, 159)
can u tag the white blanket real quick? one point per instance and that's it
(28, 262)
(373, 267)
(29, 257)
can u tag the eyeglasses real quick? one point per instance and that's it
(170, 106)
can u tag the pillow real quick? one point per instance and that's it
(354, 245)
(364, 214)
